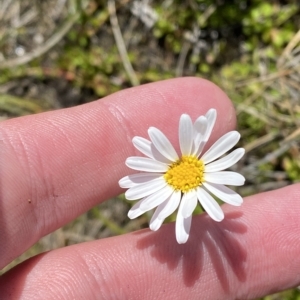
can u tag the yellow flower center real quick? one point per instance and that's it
(185, 174)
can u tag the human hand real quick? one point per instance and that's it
(68, 161)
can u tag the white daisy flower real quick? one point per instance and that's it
(170, 181)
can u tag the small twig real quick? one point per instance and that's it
(187, 44)
(26, 18)
(182, 57)
(260, 141)
(294, 61)
(51, 42)
(206, 14)
(294, 135)
(255, 113)
(120, 43)
(266, 78)
(254, 96)
(291, 45)
(108, 223)
(3, 8)
(269, 157)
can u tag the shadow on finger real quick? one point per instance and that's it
(209, 241)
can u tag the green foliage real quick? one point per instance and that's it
(268, 22)
(292, 167)
(287, 295)
(17, 106)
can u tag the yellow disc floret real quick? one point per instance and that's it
(185, 174)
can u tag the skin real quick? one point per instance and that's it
(68, 161)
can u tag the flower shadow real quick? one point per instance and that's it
(209, 240)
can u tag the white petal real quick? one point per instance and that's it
(158, 156)
(188, 202)
(164, 210)
(145, 164)
(139, 208)
(143, 145)
(135, 211)
(200, 127)
(171, 205)
(156, 198)
(210, 205)
(211, 117)
(226, 161)
(148, 149)
(145, 189)
(225, 177)
(222, 145)
(200, 148)
(186, 132)
(224, 193)
(126, 183)
(136, 179)
(162, 144)
(155, 223)
(182, 227)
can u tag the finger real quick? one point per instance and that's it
(56, 165)
(253, 252)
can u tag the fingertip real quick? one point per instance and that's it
(162, 103)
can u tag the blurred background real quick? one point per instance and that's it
(61, 53)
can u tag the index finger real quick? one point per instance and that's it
(67, 161)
